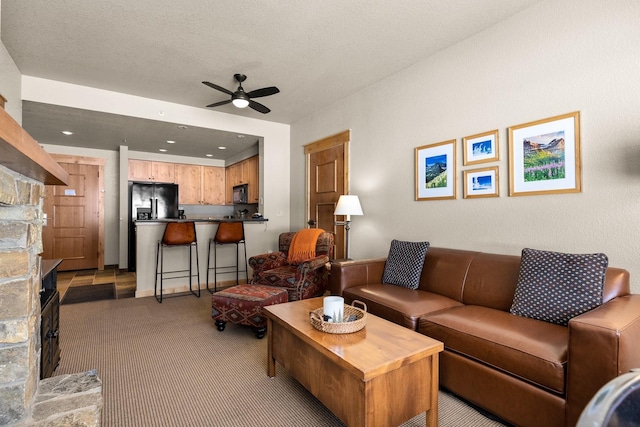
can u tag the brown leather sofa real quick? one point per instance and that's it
(525, 371)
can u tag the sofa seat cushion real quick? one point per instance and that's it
(397, 304)
(529, 349)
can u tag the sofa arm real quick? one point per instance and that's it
(603, 343)
(264, 262)
(345, 274)
(314, 263)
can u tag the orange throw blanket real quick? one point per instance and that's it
(303, 245)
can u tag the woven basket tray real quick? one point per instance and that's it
(341, 327)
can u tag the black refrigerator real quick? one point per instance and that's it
(148, 202)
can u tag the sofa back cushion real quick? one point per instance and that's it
(491, 281)
(492, 278)
(445, 270)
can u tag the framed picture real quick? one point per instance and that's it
(481, 183)
(544, 156)
(436, 171)
(480, 148)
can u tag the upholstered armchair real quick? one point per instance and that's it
(302, 280)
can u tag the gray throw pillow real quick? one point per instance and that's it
(555, 287)
(404, 263)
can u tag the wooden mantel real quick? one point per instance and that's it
(21, 153)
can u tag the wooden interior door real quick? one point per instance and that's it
(73, 231)
(327, 173)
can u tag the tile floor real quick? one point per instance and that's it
(125, 281)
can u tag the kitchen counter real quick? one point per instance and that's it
(200, 219)
(149, 233)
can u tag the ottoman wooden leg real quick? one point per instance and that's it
(220, 325)
(260, 332)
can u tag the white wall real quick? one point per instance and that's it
(274, 147)
(10, 84)
(557, 57)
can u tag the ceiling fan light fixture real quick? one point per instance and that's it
(241, 101)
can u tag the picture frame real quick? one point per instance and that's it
(435, 171)
(483, 182)
(480, 148)
(544, 156)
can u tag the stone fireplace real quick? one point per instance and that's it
(74, 399)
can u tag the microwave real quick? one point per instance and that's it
(240, 194)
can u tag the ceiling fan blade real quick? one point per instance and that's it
(258, 107)
(265, 91)
(220, 88)
(217, 104)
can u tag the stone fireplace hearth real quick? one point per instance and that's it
(74, 399)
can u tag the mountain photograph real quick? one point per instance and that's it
(543, 157)
(436, 171)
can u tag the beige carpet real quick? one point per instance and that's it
(166, 365)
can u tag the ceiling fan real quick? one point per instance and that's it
(242, 99)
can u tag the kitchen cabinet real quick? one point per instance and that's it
(244, 172)
(189, 180)
(145, 170)
(213, 185)
(250, 172)
(200, 185)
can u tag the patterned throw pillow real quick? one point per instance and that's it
(404, 263)
(554, 287)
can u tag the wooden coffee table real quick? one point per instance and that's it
(382, 375)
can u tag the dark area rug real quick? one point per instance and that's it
(86, 293)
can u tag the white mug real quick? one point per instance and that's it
(334, 307)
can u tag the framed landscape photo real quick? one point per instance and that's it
(544, 156)
(481, 183)
(436, 171)
(480, 148)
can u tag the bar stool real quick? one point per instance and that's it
(177, 234)
(228, 233)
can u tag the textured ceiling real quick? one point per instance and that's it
(316, 52)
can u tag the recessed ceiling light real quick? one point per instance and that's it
(163, 150)
(170, 142)
(222, 148)
(209, 155)
(67, 132)
(161, 113)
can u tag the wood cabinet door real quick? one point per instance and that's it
(213, 188)
(228, 184)
(236, 173)
(140, 170)
(251, 177)
(232, 178)
(163, 172)
(188, 178)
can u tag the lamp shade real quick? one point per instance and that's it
(348, 205)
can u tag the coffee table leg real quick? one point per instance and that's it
(271, 363)
(432, 414)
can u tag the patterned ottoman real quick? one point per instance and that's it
(243, 304)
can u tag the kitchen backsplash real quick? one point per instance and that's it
(216, 211)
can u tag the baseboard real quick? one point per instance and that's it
(182, 289)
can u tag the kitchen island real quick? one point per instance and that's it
(149, 233)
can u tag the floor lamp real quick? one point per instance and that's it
(347, 205)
